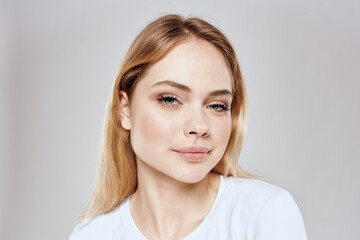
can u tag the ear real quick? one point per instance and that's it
(124, 110)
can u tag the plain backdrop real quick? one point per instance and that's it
(300, 61)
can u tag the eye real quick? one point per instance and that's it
(168, 100)
(219, 107)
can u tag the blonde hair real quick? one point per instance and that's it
(117, 176)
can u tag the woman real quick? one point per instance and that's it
(174, 129)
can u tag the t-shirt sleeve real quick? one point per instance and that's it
(280, 219)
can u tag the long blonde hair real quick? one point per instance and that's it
(117, 176)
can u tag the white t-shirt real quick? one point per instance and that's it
(244, 209)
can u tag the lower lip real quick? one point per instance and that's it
(193, 157)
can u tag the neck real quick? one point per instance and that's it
(164, 208)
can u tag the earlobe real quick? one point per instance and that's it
(124, 110)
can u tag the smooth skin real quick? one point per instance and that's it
(182, 101)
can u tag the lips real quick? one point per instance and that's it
(193, 154)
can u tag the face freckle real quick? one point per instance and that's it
(174, 107)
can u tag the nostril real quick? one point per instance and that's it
(192, 128)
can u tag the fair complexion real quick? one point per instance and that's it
(180, 123)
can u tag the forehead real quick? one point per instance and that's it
(194, 63)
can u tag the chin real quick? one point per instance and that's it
(192, 176)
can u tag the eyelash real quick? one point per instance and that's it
(170, 97)
(223, 106)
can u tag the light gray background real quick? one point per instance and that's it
(300, 60)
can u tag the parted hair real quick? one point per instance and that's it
(117, 173)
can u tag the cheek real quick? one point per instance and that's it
(222, 131)
(151, 131)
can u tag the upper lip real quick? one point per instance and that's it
(193, 150)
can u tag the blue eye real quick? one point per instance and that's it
(168, 100)
(219, 107)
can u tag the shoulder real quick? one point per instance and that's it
(247, 197)
(280, 218)
(270, 210)
(249, 190)
(104, 226)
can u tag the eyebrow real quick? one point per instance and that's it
(187, 89)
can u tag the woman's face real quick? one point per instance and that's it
(180, 118)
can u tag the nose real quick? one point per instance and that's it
(197, 124)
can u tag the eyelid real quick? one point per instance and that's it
(224, 103)
(165, 95)
(219, 102)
